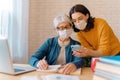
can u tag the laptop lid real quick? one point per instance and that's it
(6, 65)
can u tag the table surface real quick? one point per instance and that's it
(86, 74)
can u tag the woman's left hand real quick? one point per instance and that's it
(83, 52)
(68, 68)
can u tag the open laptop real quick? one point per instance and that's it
(6, 65)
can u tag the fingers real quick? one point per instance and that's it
(76, 53)
(45, 64)
(83, 52)
(68, 68)
(42, 64)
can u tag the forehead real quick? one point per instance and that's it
(77, 14)
(65, 23)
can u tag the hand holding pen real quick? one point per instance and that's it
(42, 64)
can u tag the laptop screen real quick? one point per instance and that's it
(5, 58)
(6, 65)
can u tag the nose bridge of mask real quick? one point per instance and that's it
(81, 25)
(80, 22)
(76, 20)
(65, 33)
(62, 31)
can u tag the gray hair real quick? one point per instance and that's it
(61, 18)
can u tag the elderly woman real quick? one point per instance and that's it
(57, 50)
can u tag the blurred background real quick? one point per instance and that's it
(30, 22)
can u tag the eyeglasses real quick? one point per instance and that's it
(63, 28)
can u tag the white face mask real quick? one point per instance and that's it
(81, 25)
(65, 33)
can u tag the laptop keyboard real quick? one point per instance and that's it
(18, 70)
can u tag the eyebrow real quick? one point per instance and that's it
(80, 17)
(64, 26)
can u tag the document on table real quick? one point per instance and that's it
(29, 78)
(54, 69)
(59, 77)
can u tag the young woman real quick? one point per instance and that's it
(94, 34)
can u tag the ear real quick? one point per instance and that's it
(87, 16)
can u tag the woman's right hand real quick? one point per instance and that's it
(42, 65)
(83, 52)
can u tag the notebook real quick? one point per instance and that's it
(115, 60)
(6, 64)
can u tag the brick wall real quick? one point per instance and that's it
(42, 13)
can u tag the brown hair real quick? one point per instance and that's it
(82, 9)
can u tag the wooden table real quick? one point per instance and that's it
(86, 74)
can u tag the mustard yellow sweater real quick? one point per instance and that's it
(101, 37)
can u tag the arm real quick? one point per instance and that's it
(104, 42)
(83, 41)
(84, 52)
(79, 62)
(72, 66)
(103, 49)
(39, 54)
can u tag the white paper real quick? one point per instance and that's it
(52, 68)
(59, 77)
(29, 78)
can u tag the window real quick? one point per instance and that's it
(4, 17)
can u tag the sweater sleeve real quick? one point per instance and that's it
(105, 36)
(39, 54)
(82, 40)
(79, 62)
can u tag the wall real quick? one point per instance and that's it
(42, 13)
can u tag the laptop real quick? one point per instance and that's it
(6, 64)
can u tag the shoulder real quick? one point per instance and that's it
(99, 20)
(52, 40)
(74, 41)
(101, 23)
(102, 27)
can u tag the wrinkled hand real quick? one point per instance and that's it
(83, 52)
(68, 68)
(42, 64)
